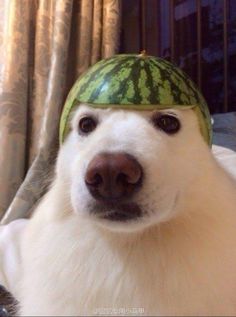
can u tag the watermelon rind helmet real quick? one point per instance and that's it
(139, 82)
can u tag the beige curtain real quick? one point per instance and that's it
(44, 46)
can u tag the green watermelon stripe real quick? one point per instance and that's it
(133, 77)
(154, 96)
(166, 77)
(93, 75)
(198, 96)
(118, 84)
(104, 75)
(106, 78)
(172, 71)
(182, 76)
(95, 82)
(173, 87)
(135, 74)
(142, 85)
(123, 89)
(90, 77)
(173, 78)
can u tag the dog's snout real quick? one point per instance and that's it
(113, 176)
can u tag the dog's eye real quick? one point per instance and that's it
(167, 123)
(87, 125)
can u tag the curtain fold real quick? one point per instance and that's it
(44, 46)
(14, 82)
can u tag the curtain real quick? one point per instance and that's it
(44, 46)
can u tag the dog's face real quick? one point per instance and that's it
(127, 170)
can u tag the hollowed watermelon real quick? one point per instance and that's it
(139, 82)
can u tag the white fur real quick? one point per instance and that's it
(179, 259)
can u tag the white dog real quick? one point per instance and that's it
(140, 219)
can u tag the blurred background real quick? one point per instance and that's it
(197, 35)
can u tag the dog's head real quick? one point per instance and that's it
(127, 170)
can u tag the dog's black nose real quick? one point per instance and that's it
(113, 176)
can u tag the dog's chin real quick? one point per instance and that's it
(117, 216)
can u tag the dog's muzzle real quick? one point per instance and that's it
(112, 179)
